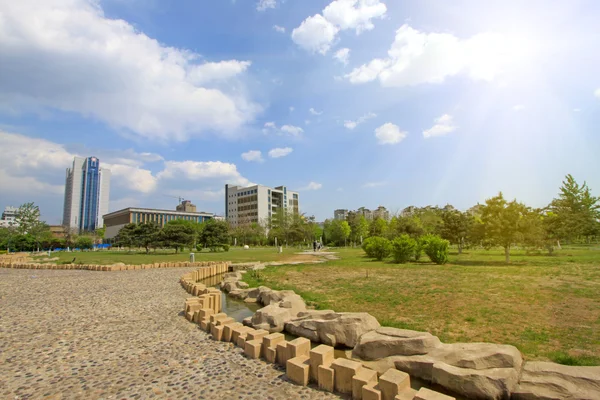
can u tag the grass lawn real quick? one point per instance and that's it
(547, 306)
(234, 255)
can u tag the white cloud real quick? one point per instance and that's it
(280, 152)
(374, 184)
(315, 112)
(597, 93)
(27, 185)
(263, 5)
(133, 178)
(416, 57)
(253, 155)
(202, 170)
(319, 32)
(312, 186)
(518, 107)
(279, 29)
(292, 109)
(342, 55)
(354, 14)
(442, 126)
(389, 134)
(271, 127)
(68, 55)
(353, 124)
(315, 34)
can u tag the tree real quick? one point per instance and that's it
(147, 235)
(359, 227)
(455, 227)
(338, 231)
(377, 247)
(409, 225)
(403, 248)
(28, 222)
(378, 227)
(575, 211)
(215, 235)
(177, 235)
(84, 242)
(126, 236)
(503, 222)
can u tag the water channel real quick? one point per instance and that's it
(238, 310)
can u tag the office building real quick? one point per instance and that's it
(118, 219)
(245, 205)
(9, 217)
(341, 214)
(87, 190)
(186, 206)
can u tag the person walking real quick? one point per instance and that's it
(314, 246)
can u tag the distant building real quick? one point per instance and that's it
(340, 214)
(381, 212)
(9, 217)
(245, 205)
(118, 219)
(58, 231)
(186, 206)
(87, 190)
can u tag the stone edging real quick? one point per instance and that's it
(113, 267)
(302, 364)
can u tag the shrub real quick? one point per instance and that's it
(403, 248)
(377, 247)
(436, 249)
(225, 247)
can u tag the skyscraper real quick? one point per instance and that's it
(87, 189)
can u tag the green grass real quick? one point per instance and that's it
(130, 258)
(547, 306)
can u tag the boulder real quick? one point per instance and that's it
(273, 296)
(255, 293)
(332, 328)
(385, 342)
(273, 317)
(242, 285)
(237, 275)
(549, 381)
(239, 294)
(492, 383)
(480, 355)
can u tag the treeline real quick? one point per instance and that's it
(28, 233)
(572, 217)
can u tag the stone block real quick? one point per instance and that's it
(393, 382)
(426, 394)
(371, 392)
(270, 341)
(225, 321)
(364, 377)
(217, 332)
(270, 354)
(297, 370)
(215, 317)
(241, 340)
(344, 371)
(204, 325)
(206, 313)
(281, 353)
(257, 334)
(189, 315)
(325, 376)
(236, 332)
(228, 330)
(252, 348)
(320, 355)
(298, 347)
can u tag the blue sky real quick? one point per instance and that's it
(351, 102)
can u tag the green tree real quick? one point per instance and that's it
(147, 235)
(377, 247)
(178, 235)
(576, 212)
(503, 222)
(359, 227)
(84, 242)
(126, 236)
(28, 222)
(437, 249)
(215, 235)
(455, 227)
(403, 248)
(378, 227)
(409, 225)
(338, 231)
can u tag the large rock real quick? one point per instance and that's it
(332, 328)
(385, 342)
(273, 296)
(492, 383)
(274, 316)
(480, 355)
(549, 381)
(256, 293)
(239, 294)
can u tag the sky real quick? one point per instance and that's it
(350, 102)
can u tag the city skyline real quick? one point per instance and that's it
(349, 103)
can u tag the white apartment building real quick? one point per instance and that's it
(87, 190)
(245, 205)
(9, 217)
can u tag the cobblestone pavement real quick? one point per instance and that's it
(119, 335)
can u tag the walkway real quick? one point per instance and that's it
(91, 335)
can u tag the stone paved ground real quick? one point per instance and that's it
(119, 335)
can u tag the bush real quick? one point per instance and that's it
(377, 247)
(225, 247)
(403, 248)
(436, 249)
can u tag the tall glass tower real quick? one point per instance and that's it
(87, 190)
